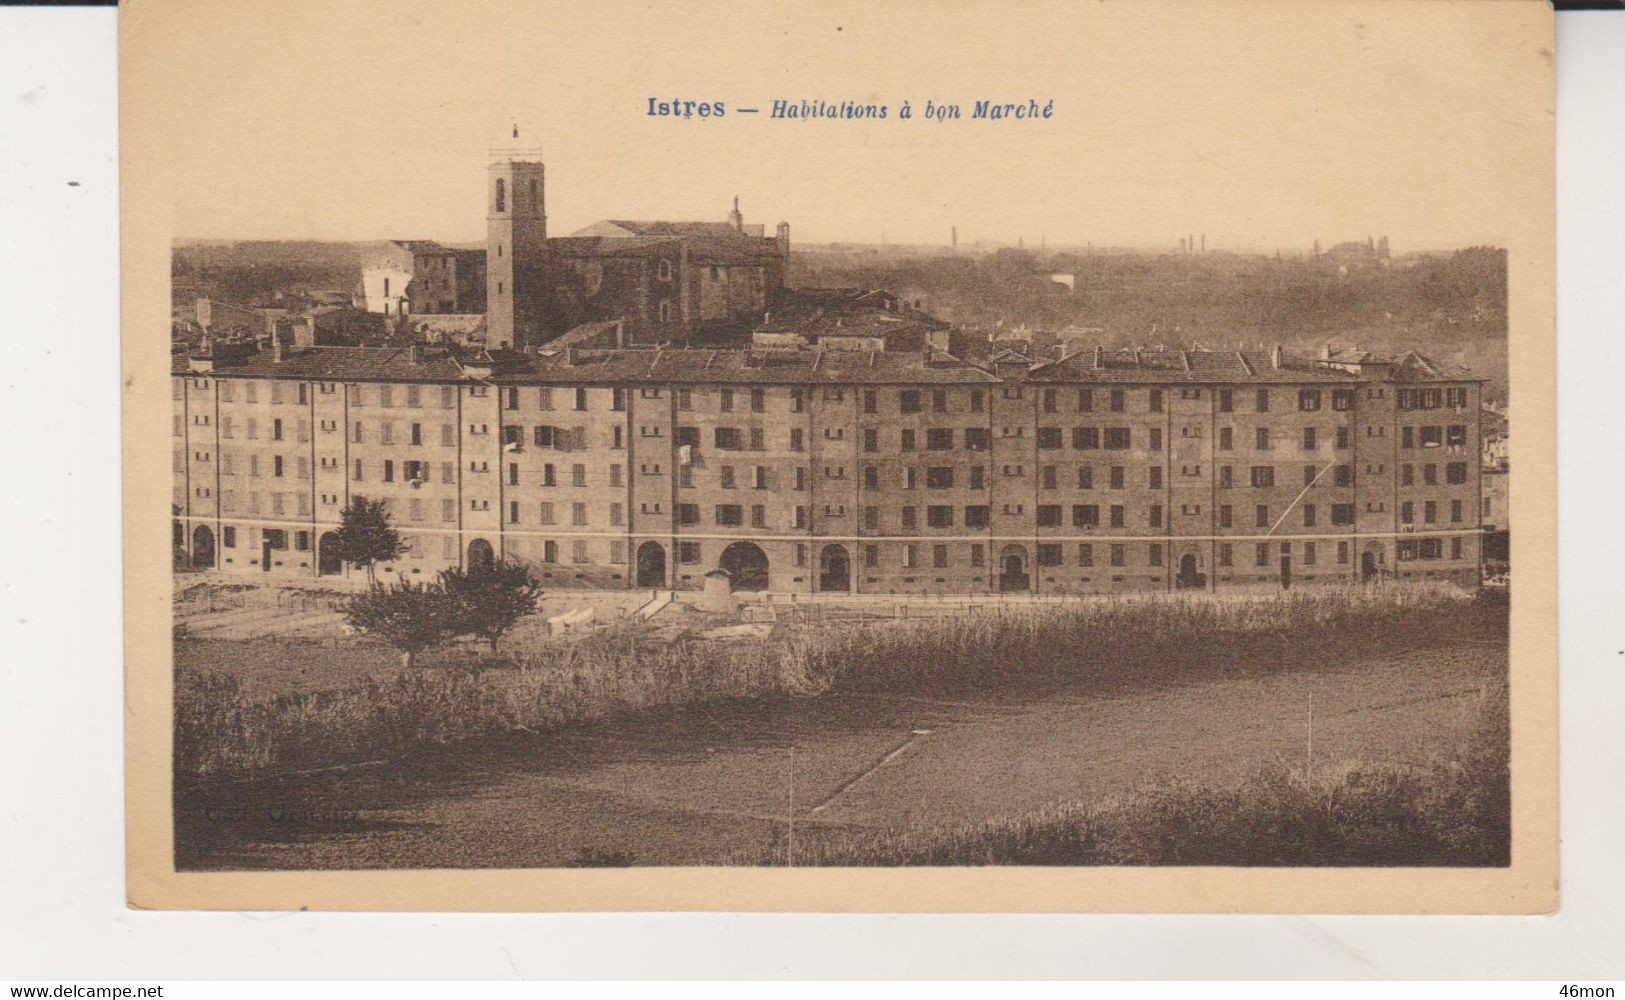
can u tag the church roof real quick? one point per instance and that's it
(708, 242)
(674, 228)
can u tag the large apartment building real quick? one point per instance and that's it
(813, 470)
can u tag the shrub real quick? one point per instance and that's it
(409, 616)
(489, 601)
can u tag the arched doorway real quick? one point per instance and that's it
(328, 560)
(1189, 573)
(746, 566)
(1013, 578)
(480, 556)
(834, 569)
(202, 548)
(651, 565)
(1368, 566)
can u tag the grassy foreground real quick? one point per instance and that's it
(1454, 812)
(223, 731)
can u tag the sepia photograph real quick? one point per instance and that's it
(1090, 451)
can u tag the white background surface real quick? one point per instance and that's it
(62, 916)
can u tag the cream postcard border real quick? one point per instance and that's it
(1521, 33)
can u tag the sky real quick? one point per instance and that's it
(1259, 124)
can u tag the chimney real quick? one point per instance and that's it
(620, 333)
(203, 360)
(570, 355)
(414, 353)
(1325, 352)
(276, 348)
(1275, 357)
(1097, 355)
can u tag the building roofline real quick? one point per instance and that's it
(808, 366)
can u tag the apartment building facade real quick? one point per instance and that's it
(813, 471)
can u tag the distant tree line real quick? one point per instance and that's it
(1452, 306)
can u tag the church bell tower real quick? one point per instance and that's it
(515, 244)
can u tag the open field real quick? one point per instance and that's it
(236, 719)
(715, 782)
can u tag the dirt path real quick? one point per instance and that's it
(706, 785)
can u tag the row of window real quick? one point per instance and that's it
(975, 438)
(283, 504)
(762, 477)
(976, 516)
(1087, 516)
(1431, 399)
(1053, 438)
(908, 400)
(1047, 554)
(1434, 436)
(754, 438)
(383, 394)
(274, 538)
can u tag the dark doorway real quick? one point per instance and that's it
(202, 548)
(746, 566)
(651, 565)
(1286, 572)
(1368, 566)
(328, 561)
(480, 556)
(1014, 578)
(835, 570)
(1188, 574)
(265, 553)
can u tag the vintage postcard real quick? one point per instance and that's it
(1026, 456)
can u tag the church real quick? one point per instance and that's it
(666, 282)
